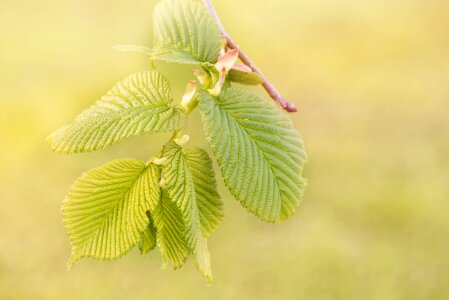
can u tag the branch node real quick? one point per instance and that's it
(271, 90)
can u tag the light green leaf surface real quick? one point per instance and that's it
(185, 33)
(260, 154)
(140, 104)
(170, 227)
(105, 211)
(210, 205)
(182, 185)
(148, 237)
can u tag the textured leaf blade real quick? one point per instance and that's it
(140, 104)
(181, 187)
(210, 204)
(105, 209)
(170, 227)
(148, 237)
(260, 154)
(185, 26)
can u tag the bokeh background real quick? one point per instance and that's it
(371, 79)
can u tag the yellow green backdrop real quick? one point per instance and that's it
(371, 80)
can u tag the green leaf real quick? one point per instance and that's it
(248, 78)
(260, 154)
(148, 237)
(105, 209)
(140, 104)
(185, 186)
(185, 33)
(170, 228)
(210, 205)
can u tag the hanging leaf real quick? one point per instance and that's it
(171, 229)
(189, 190)
(260, 154)
(210, 205)
(140, 104)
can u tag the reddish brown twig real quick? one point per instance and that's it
(271, 90)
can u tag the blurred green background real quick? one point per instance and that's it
(371, 79)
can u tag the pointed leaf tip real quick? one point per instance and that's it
(192, 186)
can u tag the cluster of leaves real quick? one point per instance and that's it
(172, 201)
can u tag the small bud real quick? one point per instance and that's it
(189, 94)
(159, 161)
(182, 140)
(227, 60)
(222, 52)
(215, 91)
(201, 75)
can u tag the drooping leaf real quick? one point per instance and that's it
(140, 104)
(105, 209)
(210, 205)
(185, 33)
(260, 154)
(186, 189)
(147, 240)
(248, 78)
(170, 227)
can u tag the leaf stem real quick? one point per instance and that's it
(271, 90)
